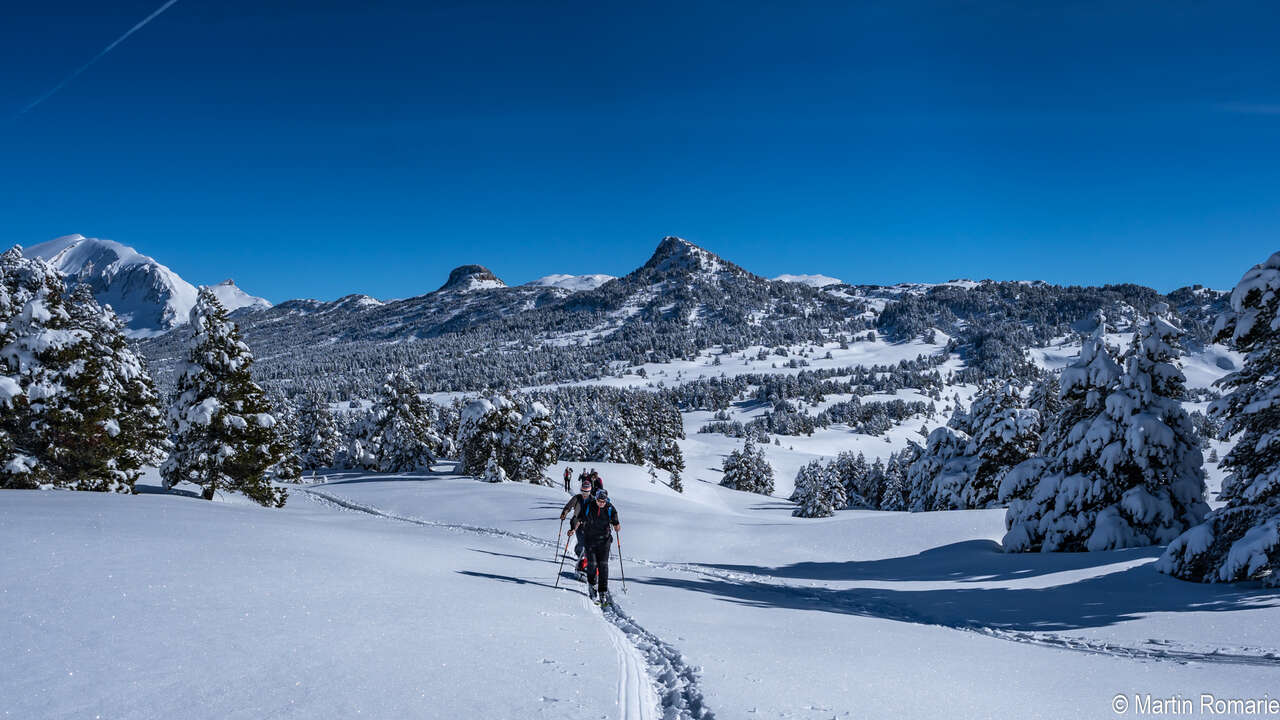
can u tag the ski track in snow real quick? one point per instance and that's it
(1046, 640)
(654, 680)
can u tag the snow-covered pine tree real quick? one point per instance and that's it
(1044, 397)
(493, 472)
(224, 433)
(748, 470)
(34, 330)
(1122, 465)
(1154, 455)
(938, 476)
(289, 467)
(80, 410)
(1052, 498)
(803, 486)
(534, 443)
(667, 456)
(959, 471)
(318, 434)
(1241, 540)
(398, 434)
(519, 436)
(853, 471)
(107, 423)
(819, 492)
(1004, 434)
(897, 494)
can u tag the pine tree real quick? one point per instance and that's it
(937, 479)
(493, 471)
(853, 471)
(963, 465)
(1004, 434)
(34, 333)
(519, 436)
(224, 433)
(1122, 464)
(819, 492)
(82, 412)
(1241, 541)
(289, 467)
(896, 495)
(748, 470)
(667, 456)
(318, 435)
(398, 434)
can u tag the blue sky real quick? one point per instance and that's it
(314, 149)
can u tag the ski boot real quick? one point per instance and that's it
(606, 599)
(591, 592)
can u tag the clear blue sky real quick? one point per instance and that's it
(317, 148)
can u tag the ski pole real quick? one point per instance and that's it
(556, 544)
(566, 552)
(621, 569)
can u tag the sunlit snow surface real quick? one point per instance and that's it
(433, 596)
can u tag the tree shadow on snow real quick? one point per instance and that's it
(522, 557)
(356, 478)
(507, 578)
(1097, 601)
(966, 561)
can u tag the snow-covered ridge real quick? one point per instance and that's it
(810, 280)
(572, 283)
(233, 298)
(469, 278)
(149, 297)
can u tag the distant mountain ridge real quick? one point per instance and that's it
(150, 298)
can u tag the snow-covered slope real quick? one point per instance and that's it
(810, 280)
(431, 595)
(233, 298)
(149, 297)
(572, 283)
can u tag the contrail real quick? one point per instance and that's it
(95, 58)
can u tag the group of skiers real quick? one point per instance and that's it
(592, 517)
(592, 475)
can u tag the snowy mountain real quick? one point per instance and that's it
(572, 283)
(149, 297)
(233, 298)
(810, 280)
(469, 278)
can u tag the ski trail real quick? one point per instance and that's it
(884, 611)
(636, 697)
(654, 680)
(677, 681)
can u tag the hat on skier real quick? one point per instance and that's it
(602, 494)
(586, 485)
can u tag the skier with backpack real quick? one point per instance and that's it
(596, 520)
(568, 475)
(578, 505)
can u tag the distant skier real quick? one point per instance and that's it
(596, 482)
(578, 505)
(568, 475)
(595, 523)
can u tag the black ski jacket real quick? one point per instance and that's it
(596, 521)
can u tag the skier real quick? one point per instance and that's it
(578, 505)
(596, 482)
(568, 475)
(595, 522)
